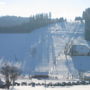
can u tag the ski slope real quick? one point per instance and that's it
(43, 50)
(62, 67)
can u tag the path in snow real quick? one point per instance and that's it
(60, 66)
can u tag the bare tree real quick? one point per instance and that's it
(81, 75)
(10, 73)
(14, 73)
(5, 72)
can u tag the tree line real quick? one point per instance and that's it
(33, 22)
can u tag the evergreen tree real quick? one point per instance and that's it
(86, 16)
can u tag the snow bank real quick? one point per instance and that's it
(53, 88)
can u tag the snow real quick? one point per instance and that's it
(82, 63)
(42, 51)
(86, 87)
(57, 88)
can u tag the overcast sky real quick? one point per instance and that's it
(58, 8)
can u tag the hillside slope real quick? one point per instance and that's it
(43, 49)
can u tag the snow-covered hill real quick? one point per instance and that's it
(42, 51)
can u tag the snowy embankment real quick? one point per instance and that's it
(87, 87)
(56, 88)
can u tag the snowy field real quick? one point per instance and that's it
(52, 88)
(58, 88)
